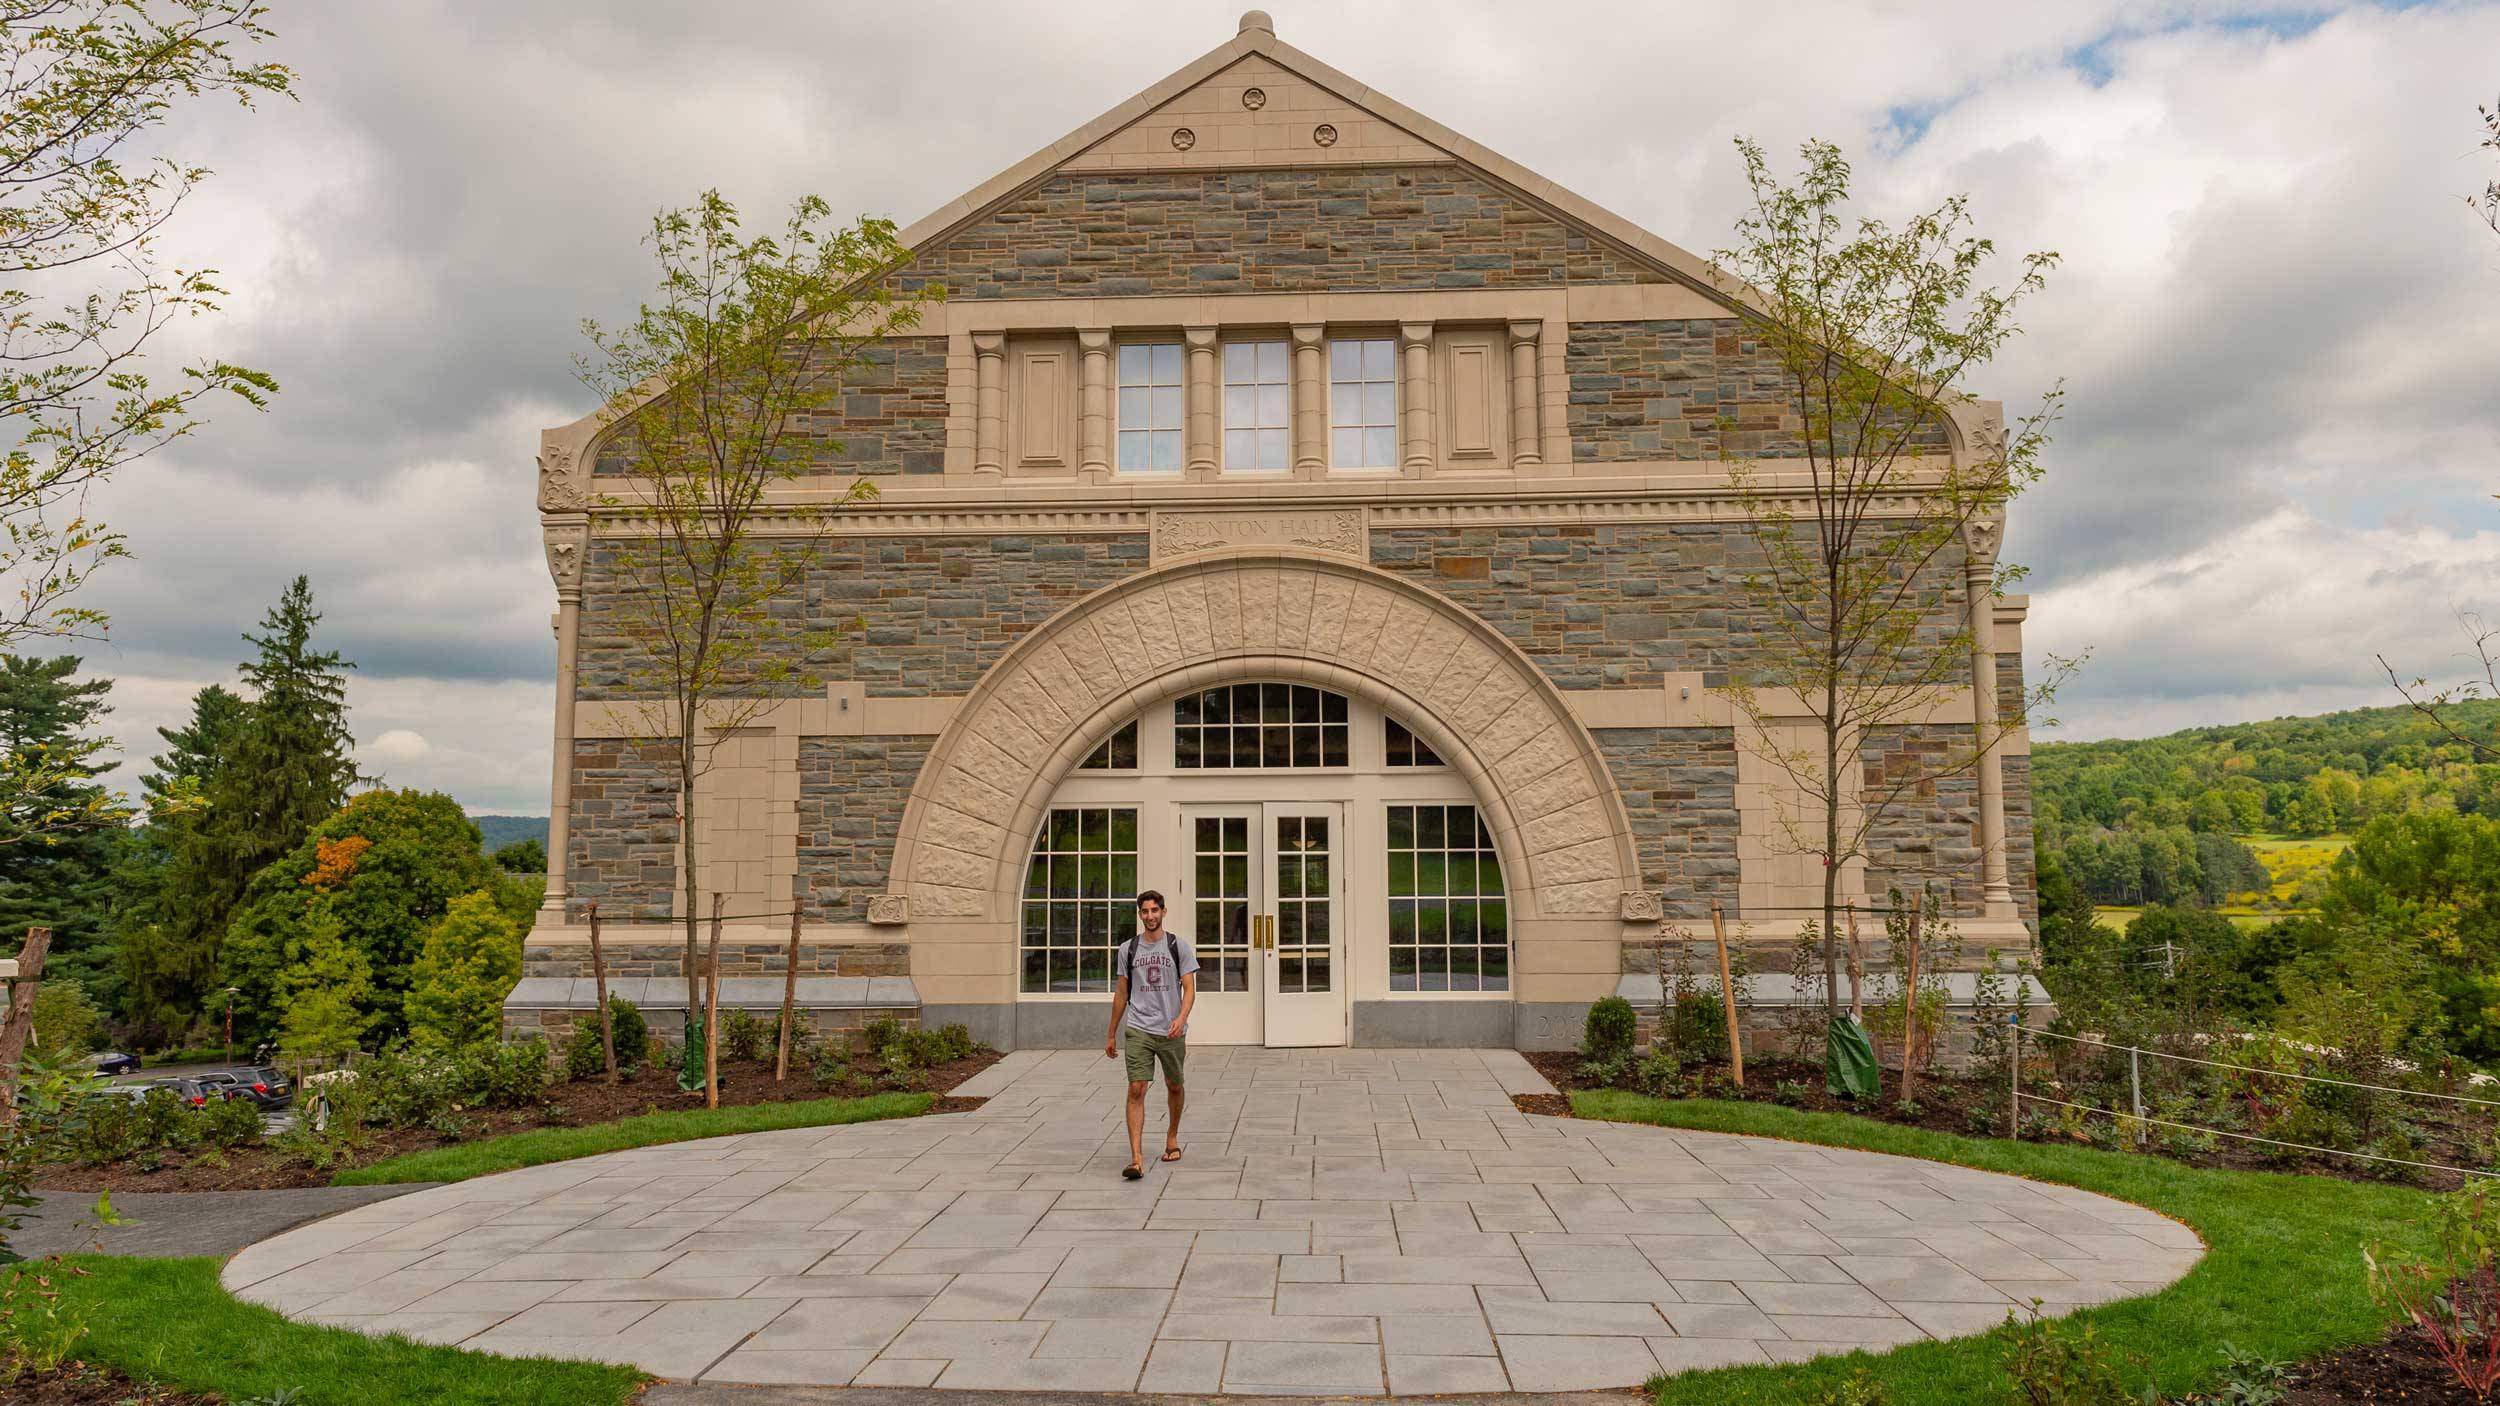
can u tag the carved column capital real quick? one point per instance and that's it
(567, 543)
(1981, 536)
(1309, 335)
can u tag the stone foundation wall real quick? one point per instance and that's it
(1679, 787)
(852, 791)
(556, 1026)
(736, 959)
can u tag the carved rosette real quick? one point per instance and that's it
(561, 488)
(1642, 907)
(889, 910)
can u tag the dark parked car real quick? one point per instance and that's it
(268, 1088)
(115, 1062)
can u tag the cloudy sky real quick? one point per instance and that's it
(2278, 325)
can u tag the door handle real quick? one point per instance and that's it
(1267, 931)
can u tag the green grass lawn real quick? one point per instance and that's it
(167, 1321)
(2282, 1274)
(461, 1161)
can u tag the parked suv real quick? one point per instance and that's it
(268, 1088)
(194, 1092)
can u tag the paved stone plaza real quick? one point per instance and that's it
(1345, 1221)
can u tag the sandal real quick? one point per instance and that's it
(1134, 1171)
(1171, 1154)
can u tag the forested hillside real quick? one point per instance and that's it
(2169, 819)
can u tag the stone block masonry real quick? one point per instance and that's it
(1930, 833)
(1679, 787)
(1333, 230)
(1699, 389)
(852, 791)
(646, 958)
(556, 1026)
(887, 417)
(915, 616)
(621, 847)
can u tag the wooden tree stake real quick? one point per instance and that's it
(711, 1013)
(1727, 994)
(1909, 1001)
(789, 997)
(20, 1021)
(1857, 971)
(599, 976)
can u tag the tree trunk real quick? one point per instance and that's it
(1831, 852)
(685, 848)
(789, 996)
(20, 1021)
(1909, 1001)
(599, 976)
(711, 1013)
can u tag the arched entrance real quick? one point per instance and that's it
(1524, 772)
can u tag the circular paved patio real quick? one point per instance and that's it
(1345, 1221)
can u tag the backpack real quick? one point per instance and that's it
(1128, 955)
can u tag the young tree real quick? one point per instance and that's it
(1863, 607)
(288, 768)
(328, 987)
(714, 384)
(471, 959)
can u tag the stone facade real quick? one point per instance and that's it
(621, 847)
(851, 796)
(1679, 787)
(1341, 230)
(1930, 834)
(910, 616)
(631, 959)
(555, 1025)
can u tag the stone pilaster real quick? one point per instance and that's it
(1526, 443)
(1202, 389)
(568, 543)
(989, 455)
(1415, 397)
(1094, 407)
(1310, 402)
(1980, 537)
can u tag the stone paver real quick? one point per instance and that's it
(1346, 1222)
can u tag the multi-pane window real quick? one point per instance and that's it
(1219, 921)
(1363, 404)
(1118, 752)
(1258, 429)
(1449, 918)
(1258, 725)
(1150, 407)
(1303, 892)
(1405, 748)
(1080, 897)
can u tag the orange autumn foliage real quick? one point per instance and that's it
(334, 861)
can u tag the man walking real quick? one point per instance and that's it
(1156, 984)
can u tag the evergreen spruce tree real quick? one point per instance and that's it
(288, 768)
(64, 834)
(150, 982)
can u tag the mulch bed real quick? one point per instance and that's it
(1547, 1105)
(76, 1384)
(565, 1105)
(2402, 1369)
(1977, 1107)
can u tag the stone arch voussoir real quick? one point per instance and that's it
(1467, 691)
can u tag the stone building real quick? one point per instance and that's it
(1303, 511)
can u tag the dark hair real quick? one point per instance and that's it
(1156, 897)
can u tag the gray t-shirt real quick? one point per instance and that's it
(1154, 988)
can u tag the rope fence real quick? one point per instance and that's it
(2136, 1118)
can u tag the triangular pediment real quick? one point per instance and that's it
(1255, 112)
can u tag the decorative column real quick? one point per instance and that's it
(567, 535)
(1093, 420)
(1310, 403)
(989, 453)
(1527, 446)
(1201, 416)
(1415, 396)
(1979, 539)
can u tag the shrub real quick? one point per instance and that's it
(502, 1075)
(2050, 1364)
(2453, 1295)
(743, 1037)
(162, 1121)
(833, 1069)
(2251, 1378)
(955, 1042)
(1789, 1093)
(101, 1130)
(879, 1033)
(1696, 1026)
(229, 1122)
(66, 1022)
(1611, 1026)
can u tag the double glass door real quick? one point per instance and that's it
(1260, 903)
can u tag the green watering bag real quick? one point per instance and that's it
(1849, 1061)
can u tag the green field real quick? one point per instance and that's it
(2289, 862)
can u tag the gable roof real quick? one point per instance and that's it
(1206, 95)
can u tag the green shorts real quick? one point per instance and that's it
(1145, 1050)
